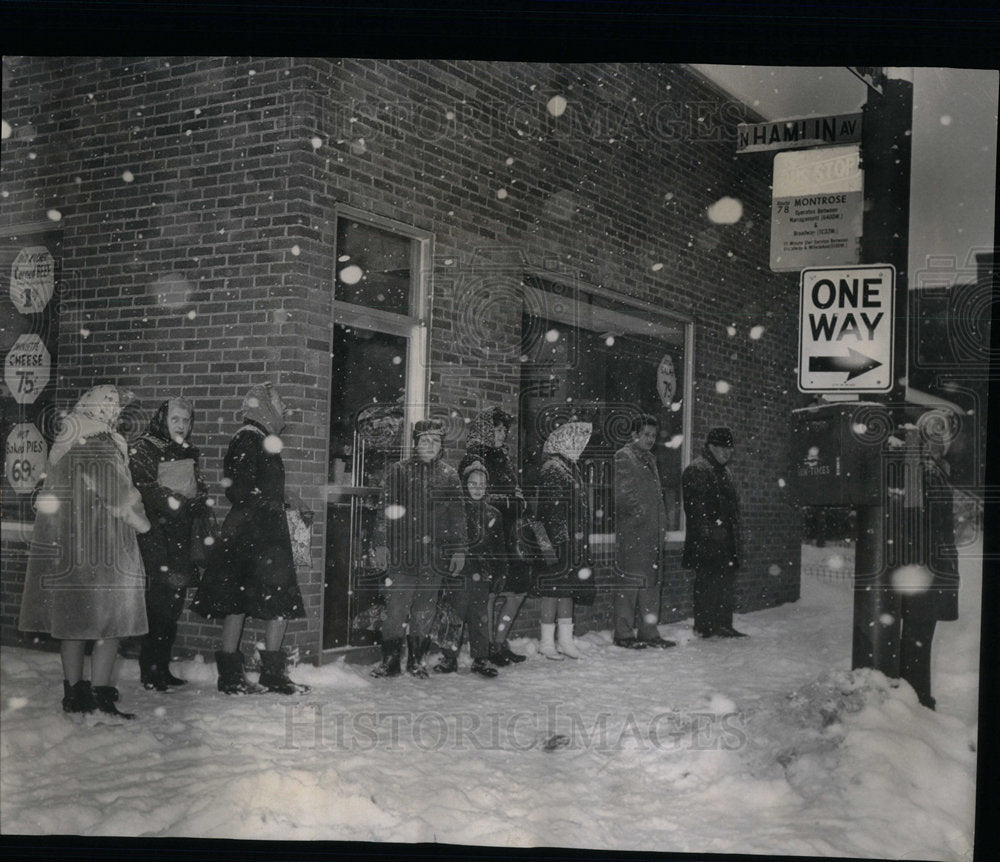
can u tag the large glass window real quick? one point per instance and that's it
(605, 362)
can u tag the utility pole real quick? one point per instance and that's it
(885, 156)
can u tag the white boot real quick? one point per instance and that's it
(547, 645)
(566, 645)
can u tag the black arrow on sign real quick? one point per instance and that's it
(856, 364)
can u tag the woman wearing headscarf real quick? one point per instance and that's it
(487, 441)
(84, 580)
(563, 511)
(164, 468)
(252, 572)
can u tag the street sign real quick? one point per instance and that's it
(24, 459)
(798, 132)
(873, 76)
(846, 329)
(816, 209)
(27, 369)
(32, 279)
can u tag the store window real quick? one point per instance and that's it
(592, 356)
(30, 275)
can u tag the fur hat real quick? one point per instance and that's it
(428, 426)
(720, 436)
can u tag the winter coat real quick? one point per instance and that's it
(563, 511)
(932, 544)
(712, 507)
(640, 515)
(85, 578)
(504, 493)
(251, 570)
(422, 499)
(486, 556)
(166, 548)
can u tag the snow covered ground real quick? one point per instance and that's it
(767, 745)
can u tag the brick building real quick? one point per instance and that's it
(386, 240)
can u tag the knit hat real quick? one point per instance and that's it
(470, 464)
(720, 436)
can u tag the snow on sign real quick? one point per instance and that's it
(27, 369)
(32, 279)
(24, 460)
(846, 329)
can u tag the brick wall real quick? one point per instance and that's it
(209, 265)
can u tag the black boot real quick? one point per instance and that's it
(166, 648)
(448, 663)
(78, 697)
(509, 656)
(150, 665)
(106, 697)
(232, 680)
(415, 649)
(389, 665)
(274, 676)
(484, 668)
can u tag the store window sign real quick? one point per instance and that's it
(27, 369)
(24, 458)
(32, 279)
(666, 380)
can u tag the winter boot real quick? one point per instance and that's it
(78, 697)
(166, 649)
(547, 644)
(448, 663)
(150, 666)
(389, 666)
(508, 655)
(484, 668)
(274, 676)
(232, 679)
(415, 649)
(106, 697)
(565, 639)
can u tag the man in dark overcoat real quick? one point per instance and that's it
(640, 528)
(712, 542)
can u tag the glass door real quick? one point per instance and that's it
(377, 389)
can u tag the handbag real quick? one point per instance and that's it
(301, 535)
(204, 536)
(533, 543)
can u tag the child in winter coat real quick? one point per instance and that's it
(468, 594)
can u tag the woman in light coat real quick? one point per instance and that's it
(85, 578)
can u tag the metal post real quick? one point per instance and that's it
(885, 154)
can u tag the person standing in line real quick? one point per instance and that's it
(928, 583)
(468, 593)
(85, 578)
(563, 512)
(421, 535)
(165, 469)
(712, 544)
(487, 441)
(251, 571)
(640, 530)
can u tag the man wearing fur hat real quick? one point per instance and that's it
(421, 536)
(712, 543)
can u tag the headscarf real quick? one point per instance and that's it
(95, 413)
(568, 440)
(257, 407)
(480, 433)
(158, 424)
